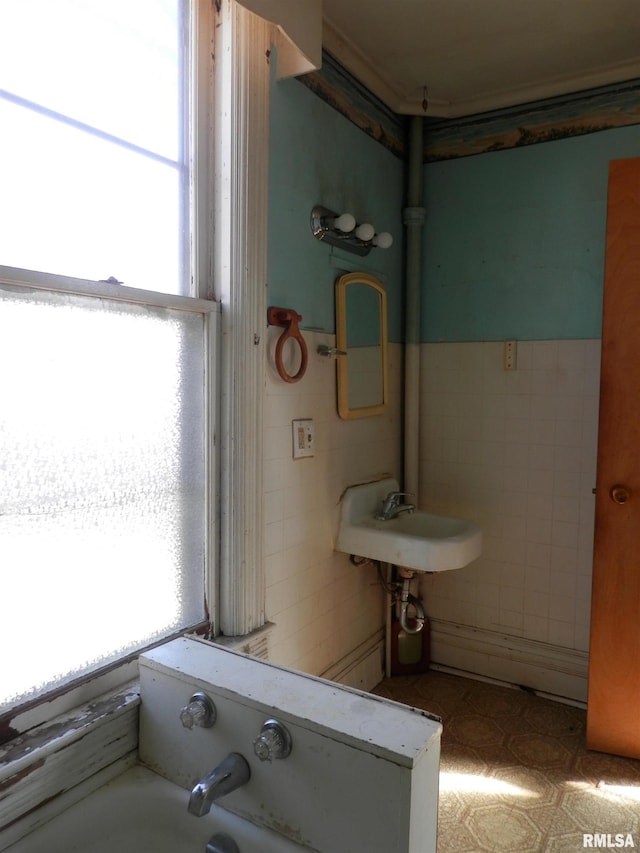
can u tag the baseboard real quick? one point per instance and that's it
(256, 643)
(549, 669)
(363, 667)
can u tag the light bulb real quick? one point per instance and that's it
(345, 222)
(383, 240)
(365, 232)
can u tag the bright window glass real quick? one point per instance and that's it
(93, 169)
(104, 405)
(102, 488)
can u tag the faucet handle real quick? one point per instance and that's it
(274, 741)
(392, 497)
(199, 712)
(390, 503)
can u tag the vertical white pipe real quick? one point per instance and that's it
(413, 217)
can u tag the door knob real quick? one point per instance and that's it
(619, 494)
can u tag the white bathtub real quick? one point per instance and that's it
(140, 812)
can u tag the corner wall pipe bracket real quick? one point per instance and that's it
(288, 319)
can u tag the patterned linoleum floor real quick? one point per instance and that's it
(515, 775)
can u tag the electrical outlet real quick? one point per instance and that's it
(510, 355)
(303, 437)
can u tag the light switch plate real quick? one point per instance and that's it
(303, 437)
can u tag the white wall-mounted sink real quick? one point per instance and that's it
(417, 540)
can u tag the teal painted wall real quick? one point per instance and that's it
(317, 156)
(514, 240)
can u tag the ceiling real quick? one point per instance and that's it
(473, 56)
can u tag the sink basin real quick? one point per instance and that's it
(418, 540)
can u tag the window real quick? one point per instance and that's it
(94, 170)
(104, 471)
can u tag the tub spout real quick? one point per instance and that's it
(230, 774)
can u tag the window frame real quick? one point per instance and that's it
(64, 696)
(197, 205)
(193, 14)
(229, 132)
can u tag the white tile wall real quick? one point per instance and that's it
(516, 452)
(322, 606)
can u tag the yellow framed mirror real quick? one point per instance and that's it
(361, 333)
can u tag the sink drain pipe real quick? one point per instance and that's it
(407, 600)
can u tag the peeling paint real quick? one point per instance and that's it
(7, 732)
(24, 744)
(51, 759)
(25, 814)
(593, 111)
(340, 90)
(22, 774)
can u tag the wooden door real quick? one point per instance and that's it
(613, 713)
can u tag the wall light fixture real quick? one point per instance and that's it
(343, 231)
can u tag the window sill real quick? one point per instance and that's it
(42, 770)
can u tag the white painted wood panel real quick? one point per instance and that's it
(362, 776)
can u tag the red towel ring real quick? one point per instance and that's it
(288, 319)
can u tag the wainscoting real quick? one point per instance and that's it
(514, 660)
(515, 451)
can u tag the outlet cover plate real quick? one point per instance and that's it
(303, 437)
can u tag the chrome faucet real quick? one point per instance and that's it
(391, 506)
(230, 774)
